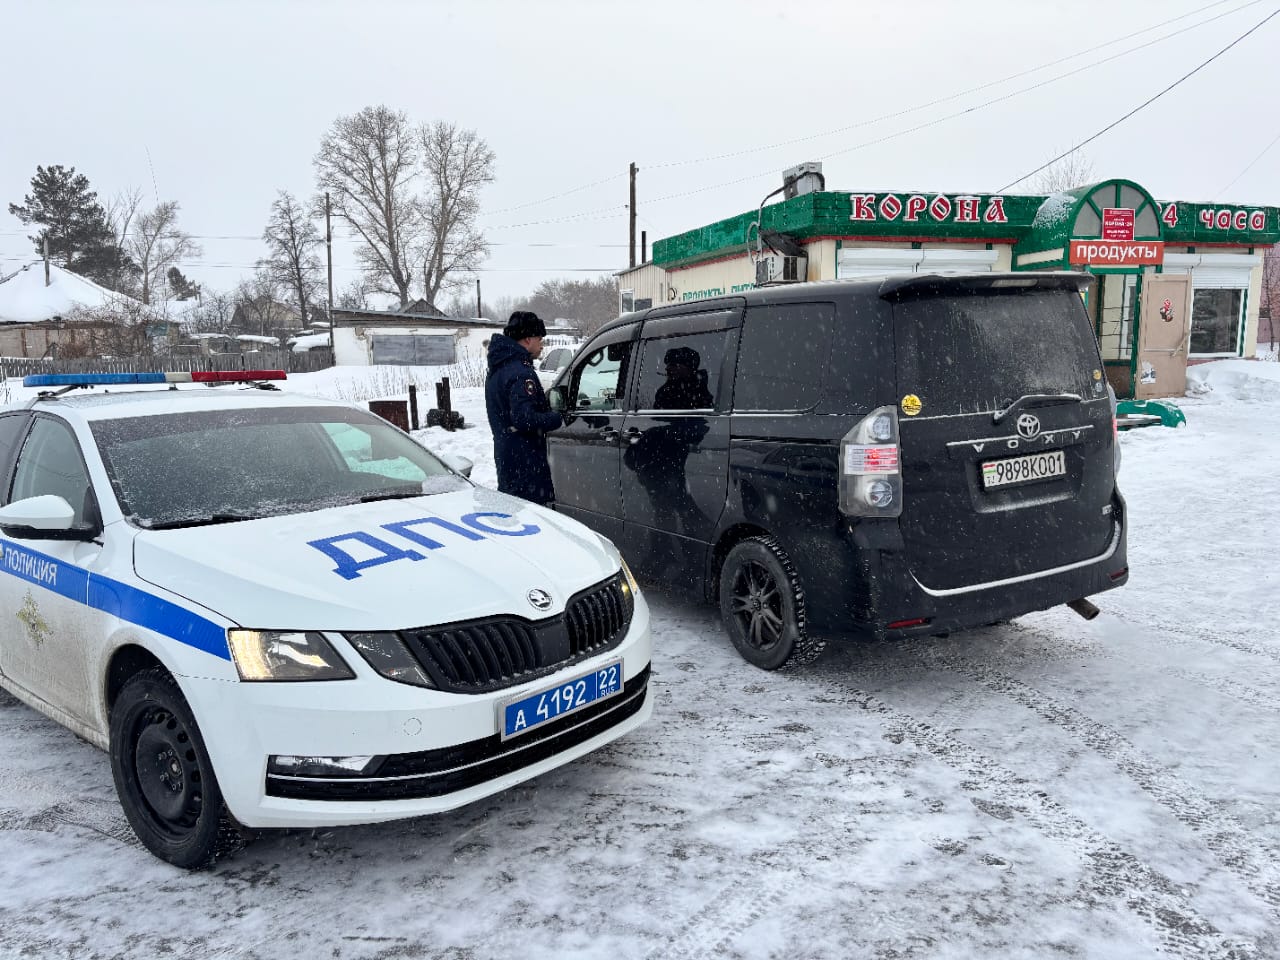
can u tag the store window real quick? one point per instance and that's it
(1216, 316)
(1115, 317)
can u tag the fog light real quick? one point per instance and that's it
(879, 493)
(291, 766)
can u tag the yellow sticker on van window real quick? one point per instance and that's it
(911, 404)
(1097, 374)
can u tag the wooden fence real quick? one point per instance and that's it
(287, 360)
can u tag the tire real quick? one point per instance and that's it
(163, 775)
(762, 606)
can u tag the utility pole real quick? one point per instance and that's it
(477, 298)
(47, 281)
(328, 246)
(644, 246)
(631, 209)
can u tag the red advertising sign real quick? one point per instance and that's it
(1117, 253)
(1117, 223)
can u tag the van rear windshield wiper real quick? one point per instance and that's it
(1036, 400)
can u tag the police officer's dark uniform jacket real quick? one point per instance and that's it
(520, 417)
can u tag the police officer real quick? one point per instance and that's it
(519, 413)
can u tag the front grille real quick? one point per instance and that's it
(479, 656)
(597, 618)
(436, 773)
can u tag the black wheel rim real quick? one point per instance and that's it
(168, 772)
(756, 604)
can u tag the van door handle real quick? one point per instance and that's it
(632, 434)
(609, 434)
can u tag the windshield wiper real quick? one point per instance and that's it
(1036, 400)
(392, 495)
(202, 521)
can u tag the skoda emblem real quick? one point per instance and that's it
(539, 599)
(1028, 425)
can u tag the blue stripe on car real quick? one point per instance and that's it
(117, 599)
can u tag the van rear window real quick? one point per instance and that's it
(966, 353)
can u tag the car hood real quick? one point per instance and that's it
(388, 565)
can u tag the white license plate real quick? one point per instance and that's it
(1035, 466)
(529, 711)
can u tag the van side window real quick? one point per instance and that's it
(600, 380)
(783, 355)
(682, 373)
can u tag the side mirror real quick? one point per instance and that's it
(46, 517)
(458, 464)
(556, 397)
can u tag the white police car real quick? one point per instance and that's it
(275, 611)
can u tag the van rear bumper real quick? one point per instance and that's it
(895, 604)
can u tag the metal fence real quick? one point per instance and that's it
(287, 360)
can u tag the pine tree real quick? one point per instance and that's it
(74, 223)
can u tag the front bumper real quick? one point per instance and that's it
(442, 750)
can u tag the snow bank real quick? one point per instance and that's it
(1236, 379)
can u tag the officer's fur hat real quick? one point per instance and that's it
(523, 324)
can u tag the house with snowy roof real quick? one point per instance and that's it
(43, 308)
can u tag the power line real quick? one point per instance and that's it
(1247, 168)
(590, 214)
(960, 113)
(978, 88)
(1145, 103)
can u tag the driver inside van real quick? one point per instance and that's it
(686, 386)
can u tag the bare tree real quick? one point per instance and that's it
(368, 164)
(292, 239)
(259, 309)
(156, 244)
(214, 314)
(121, 327)
(355, 295)
(457, 163)
(1073, 170)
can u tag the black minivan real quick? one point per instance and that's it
(887, 458)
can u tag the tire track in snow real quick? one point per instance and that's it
(1116, 872)
(1113, 873)
(1056, 651)
(1179, 634)
(1249, 857)
(102, 817)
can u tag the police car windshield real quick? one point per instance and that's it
(218, 466)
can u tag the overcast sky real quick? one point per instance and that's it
(220, 104)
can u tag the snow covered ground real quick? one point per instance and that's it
(1053, 787)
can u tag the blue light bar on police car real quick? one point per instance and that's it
(116, 379)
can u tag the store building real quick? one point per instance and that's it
(1178, 282)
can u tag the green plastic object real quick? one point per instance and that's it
(1149, 413)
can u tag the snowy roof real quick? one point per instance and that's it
(306, 341)
(254, 338)
(24, 298)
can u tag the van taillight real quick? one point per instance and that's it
(870, 467)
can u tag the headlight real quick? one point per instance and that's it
(631, 580)
(285, 655)
(387, 654)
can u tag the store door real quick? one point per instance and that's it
(1163, 329)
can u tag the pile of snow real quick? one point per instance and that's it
(308, 341)
(24, 297)
(1235, 379)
